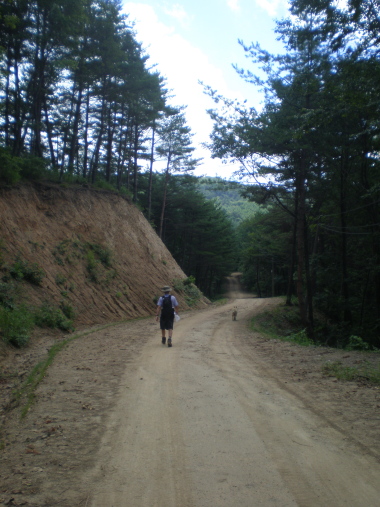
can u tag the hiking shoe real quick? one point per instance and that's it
(169, 342)
(163, 340)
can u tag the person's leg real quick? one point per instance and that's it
(170, 331)
(163, 332)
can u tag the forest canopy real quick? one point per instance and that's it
(312, 155)
(79, 103)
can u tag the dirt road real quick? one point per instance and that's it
(210, 422)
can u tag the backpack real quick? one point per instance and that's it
(167, 309)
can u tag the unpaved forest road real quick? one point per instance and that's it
(206, 423)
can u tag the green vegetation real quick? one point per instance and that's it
(197, 231)
(309, 225)
(23, 270)
(102, 253)
(14, 168)
(38, 372)
(53, 317)
(311, 156)
(7, 294)
(187, 287)
(364, 371)
(98, 260)
(60, 279)
(229, 196)
(16, 325)
(68, 311)
(16, 320)
(276, 325)
(281, 322)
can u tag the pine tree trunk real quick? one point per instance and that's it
(151, 171)
(164, 197)
(300, 225)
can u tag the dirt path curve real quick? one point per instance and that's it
(123, 421)
(201, 425)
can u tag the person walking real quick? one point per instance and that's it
(167, 305)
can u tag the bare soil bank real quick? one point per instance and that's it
(98, 251)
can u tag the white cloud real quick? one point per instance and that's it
(272, 7)
(178, 12)
(183, 65)
(233, 5)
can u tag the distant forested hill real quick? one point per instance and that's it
(228, 195)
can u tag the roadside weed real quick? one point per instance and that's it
(365, 371)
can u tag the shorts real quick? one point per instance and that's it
(166, 322)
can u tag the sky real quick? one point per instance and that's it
(197, 40)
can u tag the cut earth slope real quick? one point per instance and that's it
(97, 250)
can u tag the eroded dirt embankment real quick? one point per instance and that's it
(96, 248)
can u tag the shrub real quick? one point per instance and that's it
(17, 270)
(92, 266)
(13, 168)
(24, 270)
(7, 295)
(67, 310)
(102, 253)
(60, 279)
(104, 185)
(9, 167)
(357, 343)
(50, 316)
(190, 280)
(32, 168)
(16, 326)
(192, 293)
(300, 338)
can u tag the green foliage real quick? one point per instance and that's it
(23, 270)
(105, 185)
(98, 260)
(60, 279)
(92, 266)
(312, 155)
(52, 317)
(265, 240)
(357, 343)
(365, 371)
(102, 253)
(14, 168)
(229, 196)
(32, 168)
(7, 295)
(300, 338)
(16, 325)
(35, 124)
(9, 167)
(67, 310)
(191, 292)
(196, 231)
(37, 374)
(283, 323)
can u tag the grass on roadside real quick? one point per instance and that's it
(281, 323)
(366, 371)
(30, 385)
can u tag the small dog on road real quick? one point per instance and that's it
(234, 313)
